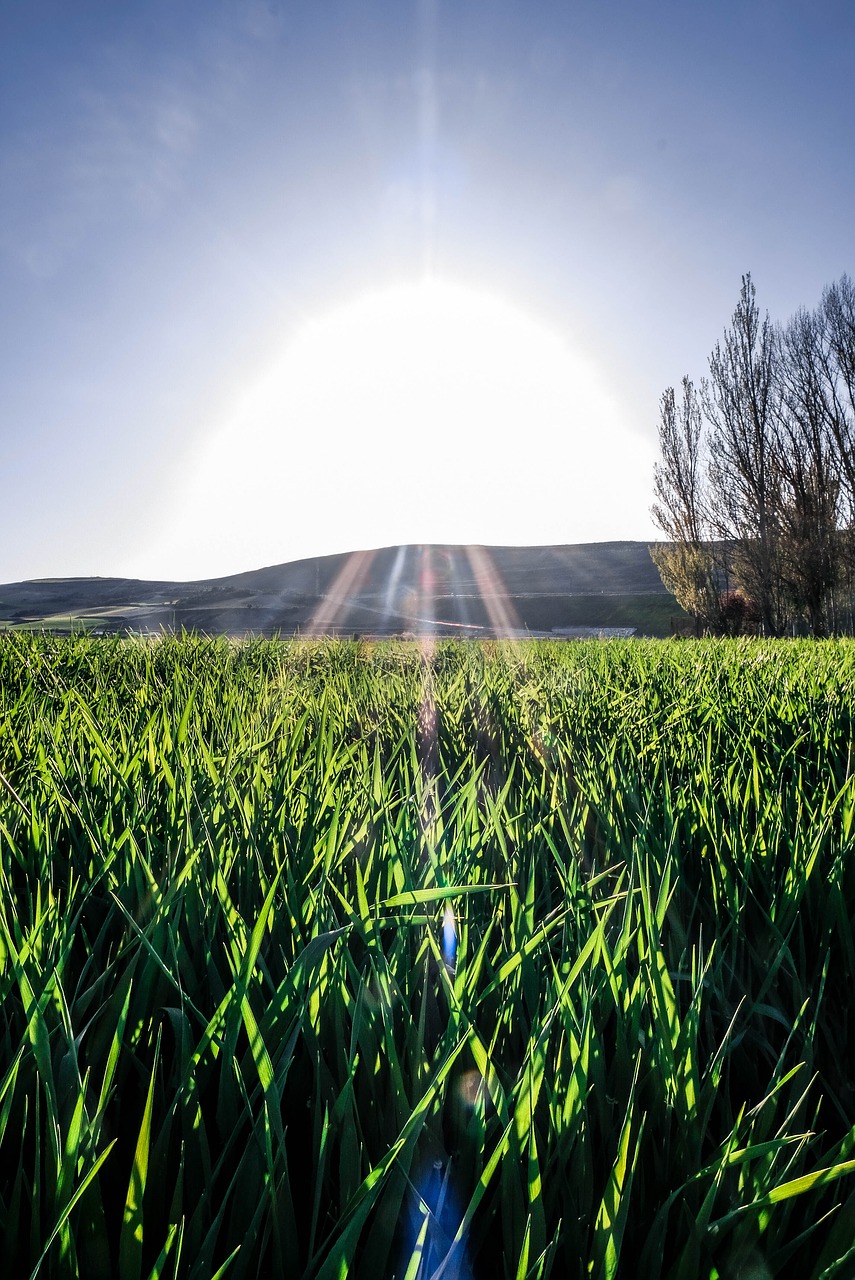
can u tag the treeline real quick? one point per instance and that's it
(755, 486)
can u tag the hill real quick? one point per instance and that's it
(411, 589)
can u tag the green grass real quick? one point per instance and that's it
(328, 959)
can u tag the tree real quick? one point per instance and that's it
(837, 317)
(740, 403)
(810, 470)
(685, 563)
(757, 471)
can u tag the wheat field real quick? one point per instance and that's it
(327, 959)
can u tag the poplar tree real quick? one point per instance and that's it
(809, 462)
(757, 470)
(685, 562)
(741, 406)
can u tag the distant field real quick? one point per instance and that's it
(399, 960)
(650, 615)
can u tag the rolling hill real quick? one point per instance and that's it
(412, 589)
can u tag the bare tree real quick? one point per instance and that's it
(740, 403)
(757, 471)
(837, 313)
(677, 478)
(685, 563)
(809, 465)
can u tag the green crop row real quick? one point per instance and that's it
(400, 960)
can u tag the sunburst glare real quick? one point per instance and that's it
(424, 413)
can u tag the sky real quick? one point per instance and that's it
(284, 277)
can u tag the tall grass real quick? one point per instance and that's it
(342, 959)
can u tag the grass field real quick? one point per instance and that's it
(338, 959)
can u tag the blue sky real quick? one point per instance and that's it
(186, 185)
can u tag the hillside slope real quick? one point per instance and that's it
(409, 589)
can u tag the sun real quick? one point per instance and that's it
(426, 412)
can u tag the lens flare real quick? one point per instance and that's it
(449, 938)
(469, 1088)
(434, 1249)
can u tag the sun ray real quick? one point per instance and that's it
(390, 601)
(501, 612)
(335, 601)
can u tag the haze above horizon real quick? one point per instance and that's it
(280, 280)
